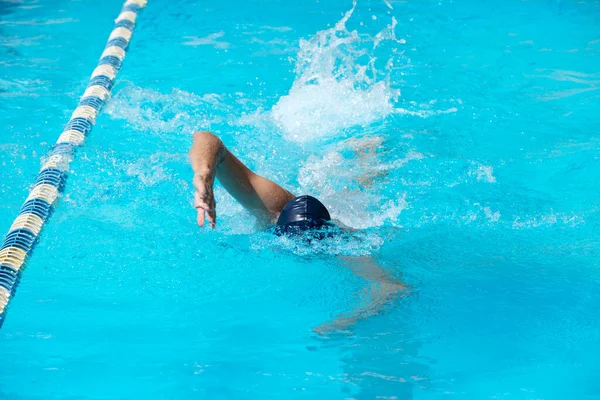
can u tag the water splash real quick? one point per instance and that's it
(152, 170)
(345, 244)
(178, 111)
(349, 187)
(337, 85)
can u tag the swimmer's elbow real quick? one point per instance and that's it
(207, 151)
(205, 137)
(206, 141)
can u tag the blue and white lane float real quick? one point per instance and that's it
(48, 186)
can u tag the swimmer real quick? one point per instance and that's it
(272, 204)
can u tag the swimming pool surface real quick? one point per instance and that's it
(460, 137)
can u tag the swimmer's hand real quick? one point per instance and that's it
(382, 294)
(209, 159)
(204, 199)
(205, 155)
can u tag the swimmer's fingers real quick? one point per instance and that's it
(204, 200)
(212, 216)
(198, 205)
(205, 204)
(200, 217)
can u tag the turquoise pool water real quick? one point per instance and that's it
(459, 137)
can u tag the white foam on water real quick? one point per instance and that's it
(423, 113)
(492, 216)
(547, 219)
(342, 244)
(336, 181)
(481, 214)
(337, 85)
(178, 111)
(484, 173)
(151, 170)
(232, 218)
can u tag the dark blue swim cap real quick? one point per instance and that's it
(301, 214)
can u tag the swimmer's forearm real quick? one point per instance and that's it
(210, 158)
(262, 197)
(206, 153)
(384, 290)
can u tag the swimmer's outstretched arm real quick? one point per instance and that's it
(210, 158)
(383, 291)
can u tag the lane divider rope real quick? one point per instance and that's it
(50, 182)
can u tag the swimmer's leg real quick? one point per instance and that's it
(210, 158)
(380, 295)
